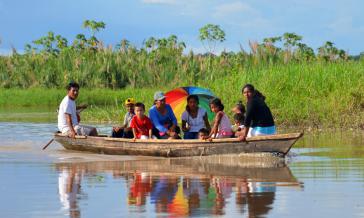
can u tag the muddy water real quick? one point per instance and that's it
(323, 176)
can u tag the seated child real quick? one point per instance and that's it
(239, 108)
(141, 124)
(203, 133)
(238, 122)
(222, 125)
(125, 131)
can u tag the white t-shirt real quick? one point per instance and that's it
(196, 123)
(67, 106)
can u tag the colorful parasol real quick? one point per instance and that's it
(177, 98)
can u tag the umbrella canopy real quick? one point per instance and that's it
(177, 98)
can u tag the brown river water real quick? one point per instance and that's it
(323, 176)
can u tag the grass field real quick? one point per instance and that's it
(310, 95)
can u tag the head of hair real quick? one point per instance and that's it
(217, 103)
(72, 85)
(240, 106)
(239, 117)
(204, 131)
(255, 92)
(195, 97)
(139, 104)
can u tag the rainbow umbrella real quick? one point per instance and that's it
(177, 98)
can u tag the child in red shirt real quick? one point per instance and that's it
(141, 124)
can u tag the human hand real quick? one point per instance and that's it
(72, 134)
(172, 134)
(82, 106)
(242, 138)
(116, 128)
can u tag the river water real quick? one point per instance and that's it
(323, 176)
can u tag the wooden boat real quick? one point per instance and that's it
(279, 143)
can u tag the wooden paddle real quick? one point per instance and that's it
(50, 141)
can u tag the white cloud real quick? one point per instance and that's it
(234, 8)
(240, 15)
(162, 2)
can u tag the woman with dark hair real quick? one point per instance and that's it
(193, 118)
(258, 119)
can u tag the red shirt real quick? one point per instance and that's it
(141, 126)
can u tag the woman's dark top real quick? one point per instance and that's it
(258, 113)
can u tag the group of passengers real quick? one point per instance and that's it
(256, 120)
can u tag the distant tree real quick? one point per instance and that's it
(80, 42)
(93, 26)
(329, 52)
(150, 43)
(211, 34)
(291, 40)
(123, 46)
(272, 40)
(50, 43)
(304, 52)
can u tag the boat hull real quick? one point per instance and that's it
(280, 143)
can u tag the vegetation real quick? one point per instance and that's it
(303, 88)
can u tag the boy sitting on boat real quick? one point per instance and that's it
(68, 120)
(125, 130)
(141, 124)
(203, 133)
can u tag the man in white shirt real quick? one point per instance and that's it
(68, 120)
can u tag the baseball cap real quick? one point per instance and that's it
(159, 96)
(129, 101)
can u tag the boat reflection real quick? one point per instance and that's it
(183, 187)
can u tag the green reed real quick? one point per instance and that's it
(314, 92)
(311, 95)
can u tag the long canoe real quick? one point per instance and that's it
(279, 144)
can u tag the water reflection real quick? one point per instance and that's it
(69, 189)
(176, 187)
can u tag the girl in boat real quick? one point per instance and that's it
(239, 108)
(163, 119)
(258, 119)
(222, 125)
(193, 118)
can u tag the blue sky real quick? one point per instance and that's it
(341, 22)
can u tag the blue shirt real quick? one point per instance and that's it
(160, 120)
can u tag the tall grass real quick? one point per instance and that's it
(302, 89)
(311, 95)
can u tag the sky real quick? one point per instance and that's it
(338, 21)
